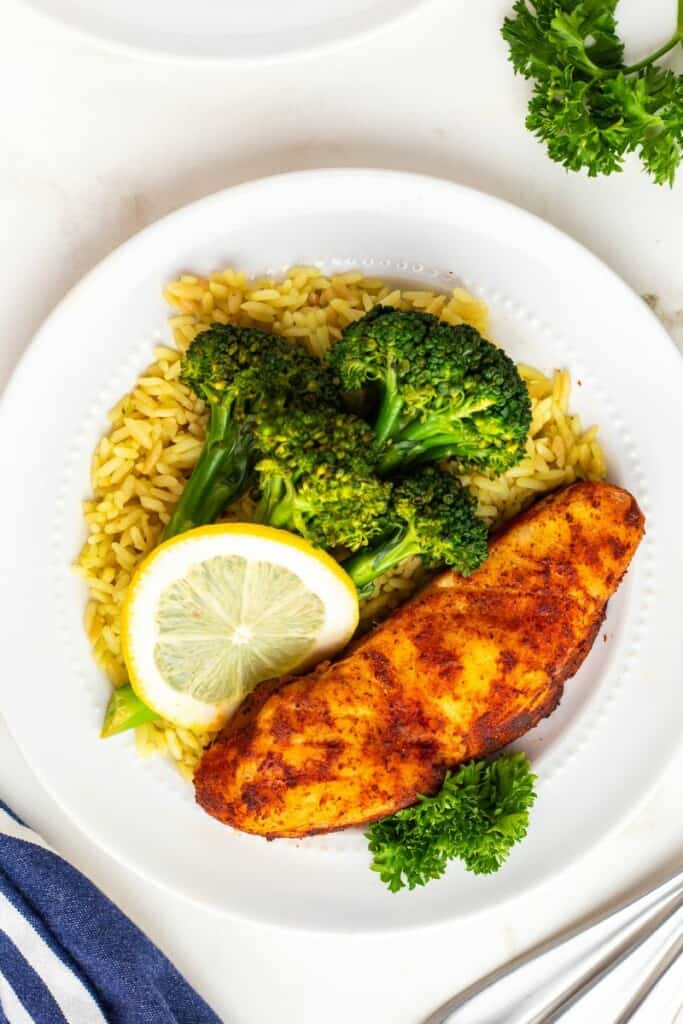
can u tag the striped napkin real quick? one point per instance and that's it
(67, 954)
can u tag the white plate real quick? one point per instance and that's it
(553, 304)
(235, 30)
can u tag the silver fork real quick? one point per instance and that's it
(541, 985)
(665, 962)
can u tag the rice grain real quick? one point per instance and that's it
(156, 432)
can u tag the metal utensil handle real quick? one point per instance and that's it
(643, 905)
(595, 974)
(663, 965)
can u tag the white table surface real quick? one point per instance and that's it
(95, 146)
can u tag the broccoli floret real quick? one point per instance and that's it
(241, 365)
(242, 373)
(317, 477)
(444, 391)
(431, 515)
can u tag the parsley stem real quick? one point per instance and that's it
(676, 38)
(674, 41)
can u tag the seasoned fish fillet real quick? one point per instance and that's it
(466, 667)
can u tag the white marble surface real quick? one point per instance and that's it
(94, 147)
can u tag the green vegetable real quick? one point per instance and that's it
(316, 475)
(587, 106)
(242, 373)
(443, 392)
(478, 815)
(125, 711)
(245, 375)
(431, 515)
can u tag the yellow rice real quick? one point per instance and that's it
(156, 432)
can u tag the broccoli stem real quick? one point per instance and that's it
(281, 507)
(394, 458)
(231, 479)
(436, 449)
(390, 408)
(365, 566)
(430, 443)
(220, 476)
(444, 450)
(430, 437)
(124, 711)
(274, 507)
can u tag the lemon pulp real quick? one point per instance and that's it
(230, 623)
(216, 610)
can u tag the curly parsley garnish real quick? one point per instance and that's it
(478, 815)
(587, 106)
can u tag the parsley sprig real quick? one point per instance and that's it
(478, 815)
(589, 108)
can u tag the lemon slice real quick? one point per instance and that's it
(214, 611)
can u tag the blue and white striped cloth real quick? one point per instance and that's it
(67, 954)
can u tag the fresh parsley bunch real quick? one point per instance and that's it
(587, 106)
(478, 815)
